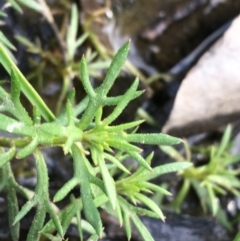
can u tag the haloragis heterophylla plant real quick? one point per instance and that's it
(82, 132)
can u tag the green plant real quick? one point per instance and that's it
(64, 62)
(216, 177)
(88, 135)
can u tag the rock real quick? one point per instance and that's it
(163, 32)
(186, 228)
(209, 95)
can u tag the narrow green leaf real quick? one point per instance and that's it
(213, 199)
(70, 113)
(2, 14)
(150, 204)
(12, 212)
(123, 127)
(108, 183)
(79, 227)
(226, 181)
(25, 209)
(26, 42)
(85, 79)
(116, 162)
(72, 32)
(90, 211)
(28, 149)
(65, 215)
(15, 6)
(114, 69)
(3, 94)
(27, 89)
(127, 224)
(158, 189)
(37, 224)
(15, 87)
(166, 168)
(65, 189)
(119, 214)
(142, 162)
(172, 152)
(7, 156)
(32, 4)
(225, 141)
(114, 100)
(6, 42)
(122, 103)
(80, 40)
(94, 237)
(42, 176)
(122, 145)
(141, 228)
(153, 139)
(202, 194)
(15, 96)
(55, 219)
(237, 237)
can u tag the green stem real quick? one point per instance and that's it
(27, 89)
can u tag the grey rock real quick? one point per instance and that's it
(209, 95)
